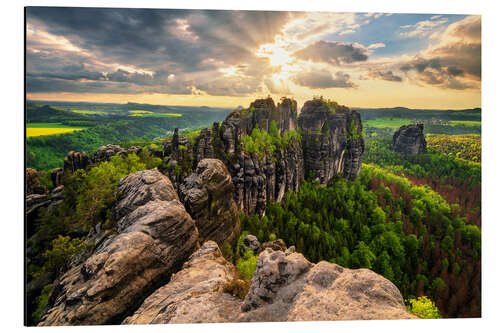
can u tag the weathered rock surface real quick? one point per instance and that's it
(331, 141)
(33, 185)
(104, 153)
(250, 242)
(56, 175)
(276, 245)
(287, 287)
(75, 161)
(35, 203)
(208, 196)
(194, 294)
(155, 235)
(409, 140)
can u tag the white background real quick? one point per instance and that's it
(12, 167)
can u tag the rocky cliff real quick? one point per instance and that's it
(330, 144)
(409, 140)
(331, 141)
(154, 234)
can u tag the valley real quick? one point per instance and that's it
(318, 181)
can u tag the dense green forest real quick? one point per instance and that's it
(383, 222)
(456, 180)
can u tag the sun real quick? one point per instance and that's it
(277, 55)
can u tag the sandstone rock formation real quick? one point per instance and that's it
(194, 294)
(75, 161)
(276, 245)
(287, 287)
(56, 175)
(33, 185)
(331, 145)
(331, 141)
(154, 236)
(409, 140)
(36, 202)
(104, 153)
(250, 242)
(207, 195)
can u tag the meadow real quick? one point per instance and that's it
(143, 113)
(465, 122)
(387, 122)
(39, 129)
(89, 112)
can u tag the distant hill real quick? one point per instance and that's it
(403, 112)
(47, 113)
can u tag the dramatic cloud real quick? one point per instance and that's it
(323, 80)
(335, 53)
(386, 76)
(455, 62)
(142, 47)
(244, 53)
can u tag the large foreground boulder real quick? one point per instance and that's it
(155, 235)
(284, 287)
(195, 294)
(287, 287)
(409, 140)
(208, 195)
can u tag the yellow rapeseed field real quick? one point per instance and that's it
(49, 131)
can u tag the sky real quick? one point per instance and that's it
(229, 58)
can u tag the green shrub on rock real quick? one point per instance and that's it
(246, 265)
(424, 308)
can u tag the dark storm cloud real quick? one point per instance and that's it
(386, 76)
(323, 80)
(335, 53)
(160, 41)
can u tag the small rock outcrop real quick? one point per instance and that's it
(155, 235)
(104, 153)
(287, 287)
(56, 175)
(75, 161)
(33, 185)
(276, 245)
(194, 294)
(250, 242)
(208, 196)
(409, 140)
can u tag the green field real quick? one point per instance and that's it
(387, 122)
(101, 113)
(465, 122)
(39, 129)
(140, 112)
(156, 115)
